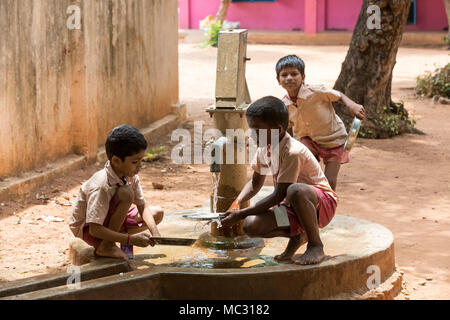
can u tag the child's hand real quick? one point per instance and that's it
(236, 205)
(230, 218)
(358, 111)
(141, 240)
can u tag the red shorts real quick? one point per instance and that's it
(130, 221)
(328, 155)
(325, 212)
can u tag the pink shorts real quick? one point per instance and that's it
(325, 212)
(130, 221)
(328, 155)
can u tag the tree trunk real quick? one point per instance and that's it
(447, 9)
(223, 10)
(366, 74)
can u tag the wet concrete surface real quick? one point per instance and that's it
(354, 248)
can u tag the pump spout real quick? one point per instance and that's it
(215, 167)
(216, 160)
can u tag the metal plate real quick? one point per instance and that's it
(174, 241)
(203, 216)
(352, 135)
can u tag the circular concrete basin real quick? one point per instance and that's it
(360, 256)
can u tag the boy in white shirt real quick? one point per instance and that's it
(302, 200)
(104, 212)
(312, 117)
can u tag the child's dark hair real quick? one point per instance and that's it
(290, 61)
(271, 110)
(124, 141)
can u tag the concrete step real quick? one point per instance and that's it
(325, 38)
(21, 187)
(359, 252)
(99, 268)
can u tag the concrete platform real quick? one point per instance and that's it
(326, 38)
(355, 247)
(21, 187)
(97, 269)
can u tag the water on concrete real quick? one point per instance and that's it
(344, 237)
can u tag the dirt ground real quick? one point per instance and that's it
(401, 183)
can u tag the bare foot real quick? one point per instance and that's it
(132, 266)
(110, 250)
(312, 255)
(293, 245)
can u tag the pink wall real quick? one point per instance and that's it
(290, 14)
(311, 16)
(279, 15)
(430, 15)
(342, 14)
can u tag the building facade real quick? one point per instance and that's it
(63, 89)
(310, 16)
